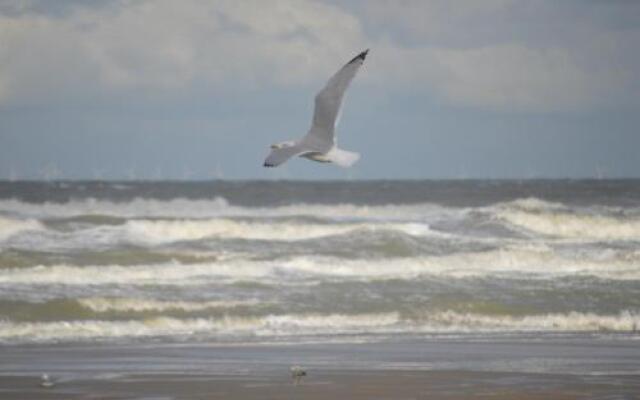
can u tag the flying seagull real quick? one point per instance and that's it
(320, 143)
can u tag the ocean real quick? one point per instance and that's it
(282, 262)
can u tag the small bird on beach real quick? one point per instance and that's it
(46, 382)
(297, 372)
(319, 144)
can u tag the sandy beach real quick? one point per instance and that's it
(431, 369)
(333, 384)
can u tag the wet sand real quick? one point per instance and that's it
(332, 384)
(512, 369)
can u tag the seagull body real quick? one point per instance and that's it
(46, 382)
(319, 144)
(297, 372)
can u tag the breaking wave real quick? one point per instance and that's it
(181, 230)
(312, 324)
(575, 226)
(532, 204)
(272, 325)
(10, 226)
(102, 304)
(162, 232)
(625, 321)
(215, 208)
(191, 269)
(537, 261)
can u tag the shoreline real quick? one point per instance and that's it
(523, 368)
(321, 384)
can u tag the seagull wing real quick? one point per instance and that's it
(279, 156)
(329, 100)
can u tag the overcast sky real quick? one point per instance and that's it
(200, 89)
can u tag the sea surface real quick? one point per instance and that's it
(317, 262)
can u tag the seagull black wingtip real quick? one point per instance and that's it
(360, 56)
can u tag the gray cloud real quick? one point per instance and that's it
(516, 55)
(497, 54)
(167, 45)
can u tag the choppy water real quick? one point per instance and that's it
(286, 261)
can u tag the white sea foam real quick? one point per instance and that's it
(103, 304)
(531, 204)
(220, 207)
(539, 261)
(529, 260)
(179, 230)
(151, 274)
(313, 324)
(575, 226)
(11, 226)
(271, 325)
(157, 232)
(625, 321)
(133, 208)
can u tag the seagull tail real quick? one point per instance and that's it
(342, 158)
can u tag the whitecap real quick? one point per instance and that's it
(271, 325)
(104, 304)
(10, 226)
(166, 231)
(575, 226)
(531, 261)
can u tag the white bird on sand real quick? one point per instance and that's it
(319, 144)
(46, 382)
(297, 373)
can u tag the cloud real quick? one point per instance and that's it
(494, 54)
(439, 22)
(169, 45)
(511, 55)
(514, 77)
